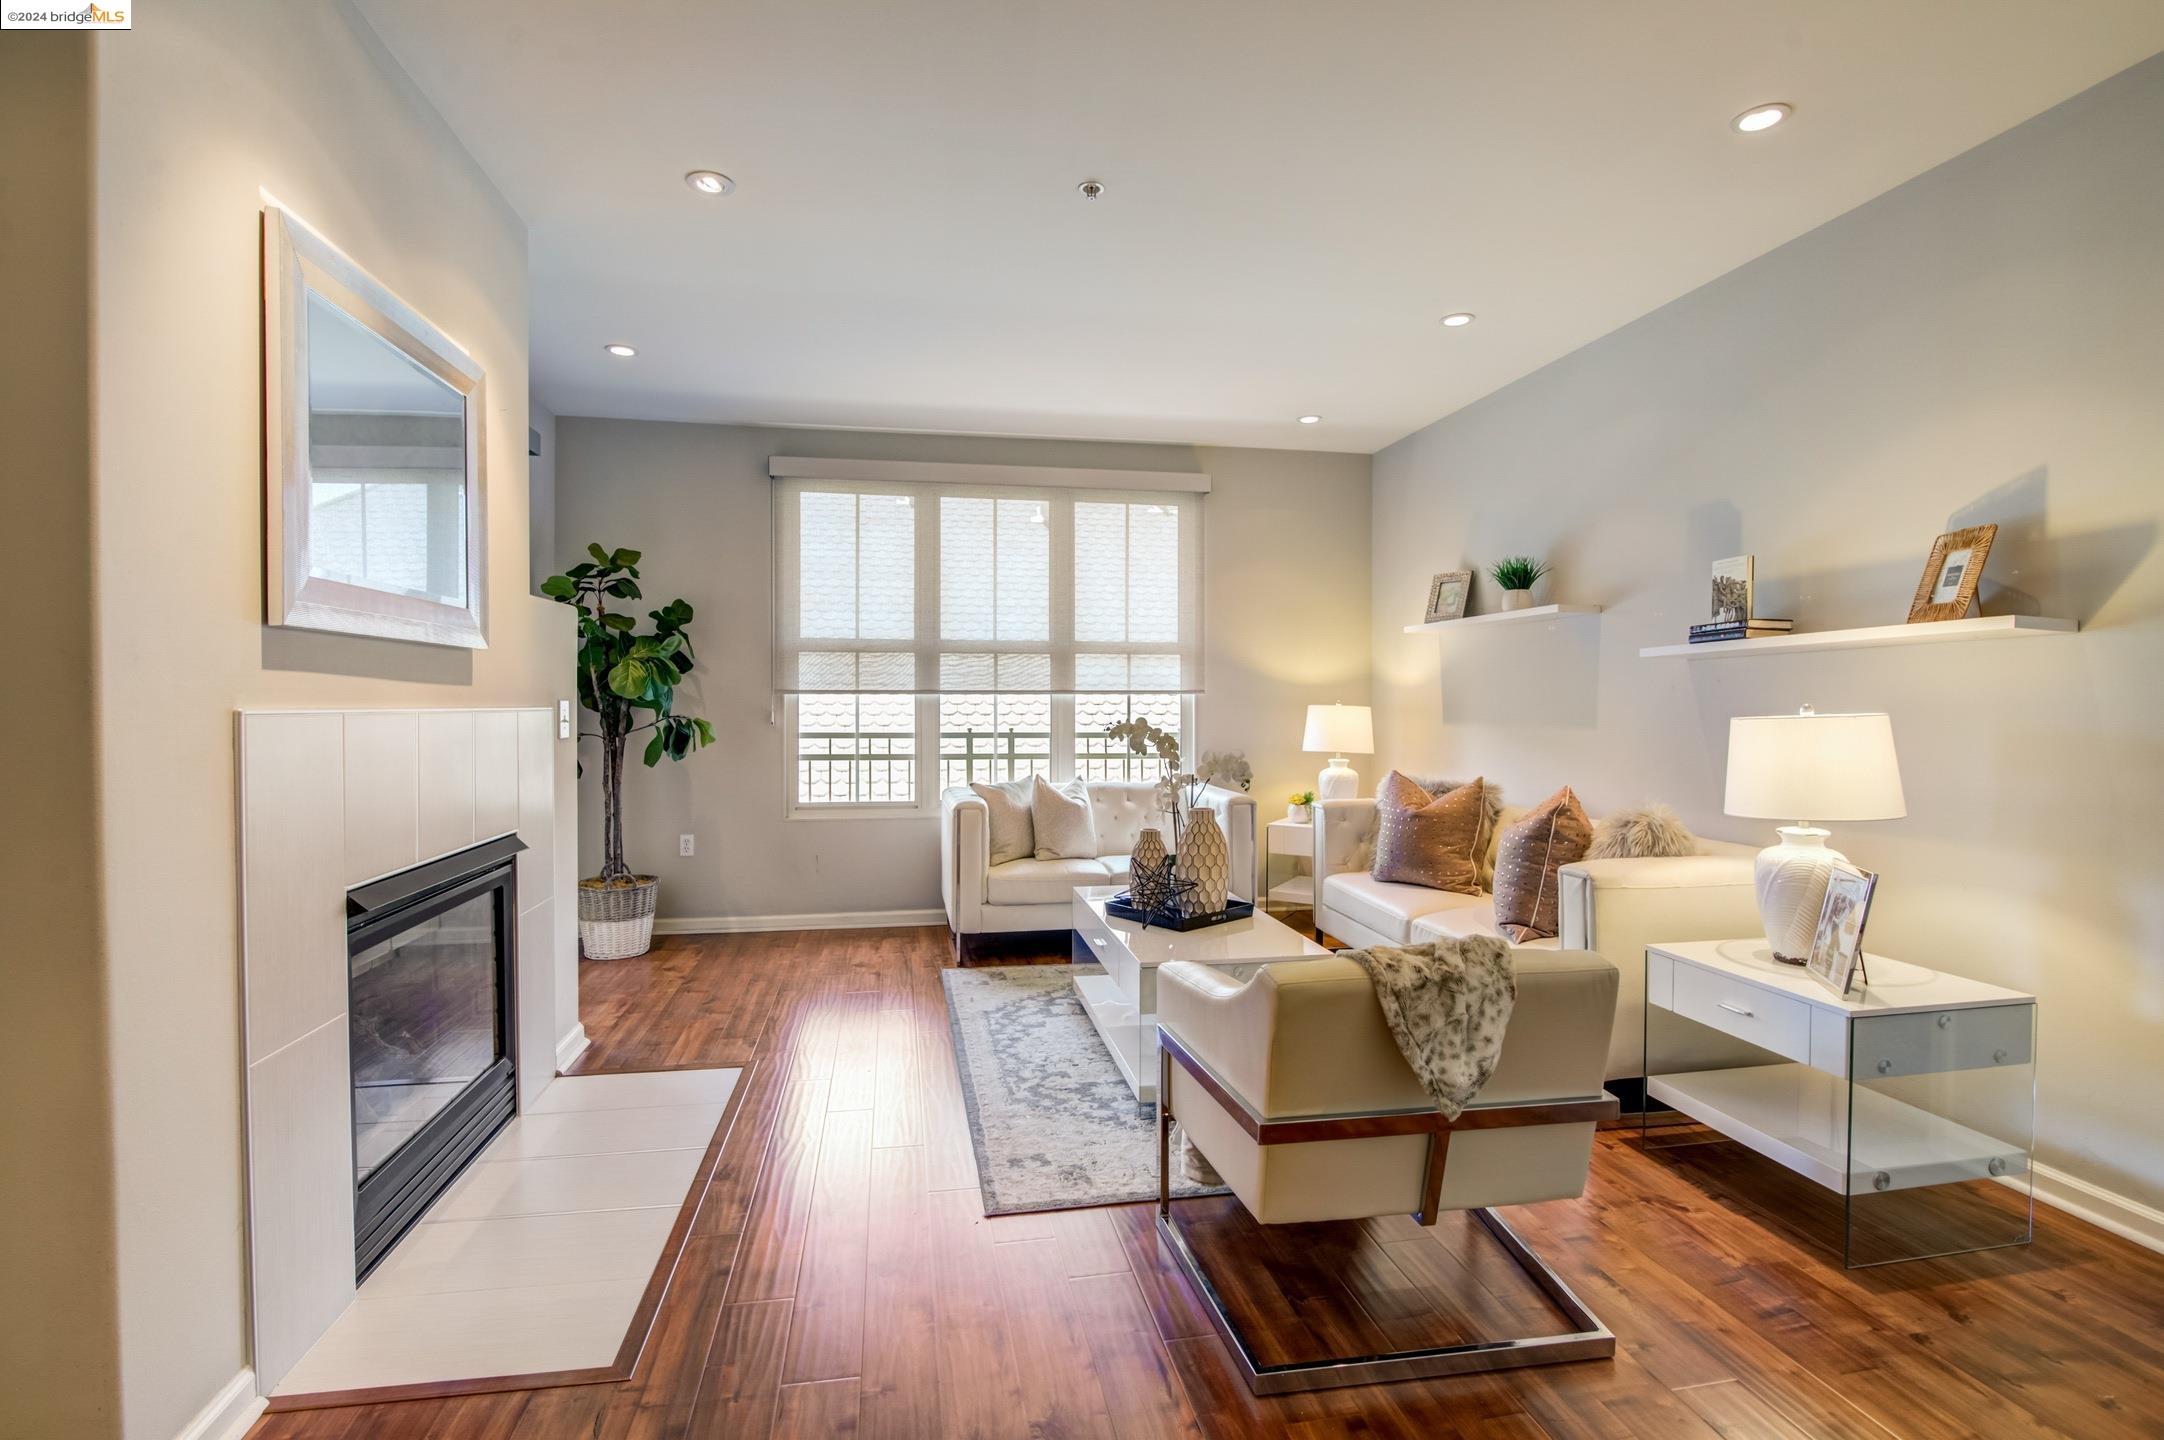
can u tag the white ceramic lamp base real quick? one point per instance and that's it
(1790, 879)
(1338, 781)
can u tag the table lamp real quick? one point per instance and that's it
(1333, 730)
(1829, 767)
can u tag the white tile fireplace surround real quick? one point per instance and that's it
(330, 800)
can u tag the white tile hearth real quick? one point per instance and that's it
(536, 1258)
(556, 1184)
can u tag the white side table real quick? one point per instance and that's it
(1293, 886)
(1911, 1097)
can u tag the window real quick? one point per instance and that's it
(1007, 624)
(856, 750)
(1097, 758)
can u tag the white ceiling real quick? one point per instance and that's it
(1295, 192)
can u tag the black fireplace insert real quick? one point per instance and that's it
(431, 966)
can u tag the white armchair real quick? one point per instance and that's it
(1290, 1084)
(1029, 894)
(1614, 908)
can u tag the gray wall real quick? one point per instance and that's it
(1985, 343)
(1286, 559)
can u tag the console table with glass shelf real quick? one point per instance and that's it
(1913, 1097)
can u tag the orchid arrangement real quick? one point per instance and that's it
(1177, 791)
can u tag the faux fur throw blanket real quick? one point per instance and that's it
(1448, 1005)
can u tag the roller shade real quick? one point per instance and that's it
(933, 586)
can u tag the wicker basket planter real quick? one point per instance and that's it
(616, 921)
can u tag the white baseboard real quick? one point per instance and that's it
(836, 920)
(227, 1414)
(570, 1048)
(2129, 1219)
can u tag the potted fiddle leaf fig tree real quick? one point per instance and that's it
(628, 681)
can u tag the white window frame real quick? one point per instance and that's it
(927, 804)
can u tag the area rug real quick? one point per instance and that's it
(1053, 1124)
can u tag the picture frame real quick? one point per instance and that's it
(1836, 957)
(1447, 594)
(1733, 592)
(1951, 575)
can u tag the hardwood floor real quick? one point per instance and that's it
(841, 1279)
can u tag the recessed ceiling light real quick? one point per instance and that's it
(620, 351)
(1092, 189)
(1462, 317)
(709, 182)
(1311, 419)
(1761, 117)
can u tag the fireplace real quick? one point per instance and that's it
(431, 1035)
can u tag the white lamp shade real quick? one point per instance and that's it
(1811, 767)
(1340, 730)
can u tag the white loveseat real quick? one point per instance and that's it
(1614, 908)
(987, 899)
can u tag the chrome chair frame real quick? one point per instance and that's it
(1590, 1340)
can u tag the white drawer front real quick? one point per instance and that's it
(1767, 1019)
(1104, 944)
(1929, 1042)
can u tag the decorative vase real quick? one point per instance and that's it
(616, 922)
(1790, 880)
(1204, 865)
(1146, 870)
(1517, 599)
(1300, 814)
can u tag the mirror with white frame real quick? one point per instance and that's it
(373, 486)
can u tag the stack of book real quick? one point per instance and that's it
(1754, 628)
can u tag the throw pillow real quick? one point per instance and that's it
(1012, 834)
(1431, 840)
(1491, 797)
(1527, 855)
(1061, 817)
(1643, 834)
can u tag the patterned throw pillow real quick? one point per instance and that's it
(1431, 840)
(1527, 855)
(1013, 835)
(1060, 814)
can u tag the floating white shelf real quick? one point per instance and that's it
(1800, 1117)
(1498, 617)
(1935, 632)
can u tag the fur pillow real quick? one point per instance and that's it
(1060, 815)
(1012, 834)
(1650, 832)
(1527, 855)
(1431, 840)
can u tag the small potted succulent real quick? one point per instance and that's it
(1517, 574)
(1301, 810)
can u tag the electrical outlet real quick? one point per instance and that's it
(684, 844)
(563, 719)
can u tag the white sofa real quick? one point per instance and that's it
(1614, 908)
(1021, 895)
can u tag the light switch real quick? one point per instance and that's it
(563, 719)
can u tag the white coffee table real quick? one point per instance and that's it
(1122, 1002)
